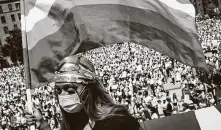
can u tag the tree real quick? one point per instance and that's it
(210, 10)
(6, 50)
(13, 48)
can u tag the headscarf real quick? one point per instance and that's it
(75, 69)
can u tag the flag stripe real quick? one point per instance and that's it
(111, 12)
(184, 1)
(36, 14)
(157, 6)
(31, 4)
(209, 118)
(141, 4)
(146, 35)
(187, 8)
(41, 29)
(41, 10)
(154, 5)
(106, 12)
(185, 121)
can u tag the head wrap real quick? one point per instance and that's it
(75, 69)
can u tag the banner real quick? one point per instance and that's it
(203, 119)
(56, 29)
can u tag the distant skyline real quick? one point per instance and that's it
(202, 5)
(4, 0)
(9, 18)
(8, 0)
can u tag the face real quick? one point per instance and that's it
(69, 96)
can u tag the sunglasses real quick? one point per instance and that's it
(70, 88)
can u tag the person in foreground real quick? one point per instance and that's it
(83, 100)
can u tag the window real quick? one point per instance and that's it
(3, 19)
(17, 5)
(10, 7)
(13, 17)
(15, 26)
(6, 30)
(19, 16)
(1, 10)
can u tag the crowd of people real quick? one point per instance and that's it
(13, 100)
(135, 76)
(140, 78)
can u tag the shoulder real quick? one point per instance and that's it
(118, 123)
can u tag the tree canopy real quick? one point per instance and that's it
(13, 48)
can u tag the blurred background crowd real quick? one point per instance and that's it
(150, 84)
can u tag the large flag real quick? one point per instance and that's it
(58, 28)
(203, 119)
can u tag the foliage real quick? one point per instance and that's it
(211, 10)
(13, 48)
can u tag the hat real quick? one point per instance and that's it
(77, 60)
(75, 69)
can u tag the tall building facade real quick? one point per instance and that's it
(10, 16)
(199, 6)
(202, 5)
(219, 3)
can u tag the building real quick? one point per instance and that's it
(9, 19)
(10, 16)
(219, 3)
(199, 6)
(202, 5)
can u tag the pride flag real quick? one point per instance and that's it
(59, 28)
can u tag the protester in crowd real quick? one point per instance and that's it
(83, 100)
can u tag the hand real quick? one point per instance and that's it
(34, 119)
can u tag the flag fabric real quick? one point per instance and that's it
(58, 28)
(203, 119)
